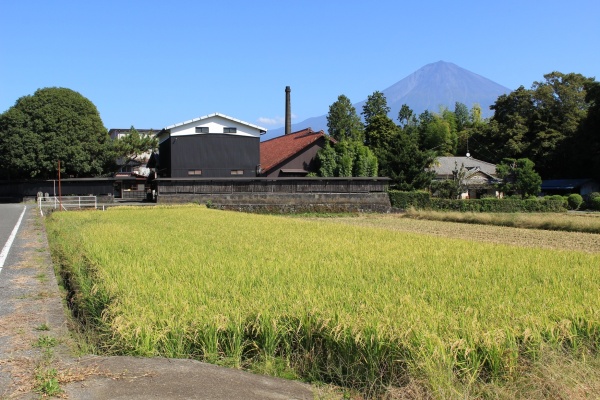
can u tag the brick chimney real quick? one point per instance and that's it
(288, 111)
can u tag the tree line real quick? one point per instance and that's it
(554, 127)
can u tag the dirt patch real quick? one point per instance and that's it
(558, 240)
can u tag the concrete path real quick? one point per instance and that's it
(35, 341)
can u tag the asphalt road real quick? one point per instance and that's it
(31, 308)
(9, 215)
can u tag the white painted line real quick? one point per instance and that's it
(10, 240)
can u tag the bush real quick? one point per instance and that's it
(593, 202)
(558, 197)
(575, 201)
(404, 200)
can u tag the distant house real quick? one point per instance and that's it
(214, 145)
(293, 154)
(568, 186)
(136, 166)
(480, 176)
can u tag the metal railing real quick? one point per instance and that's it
(67, 203)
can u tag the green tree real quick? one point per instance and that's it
(375, 105)
(438, 132)
(50, 125)
(406, 116)
(461, 116)
(519, 176)
(343, 122)
(133, 145)
(327, 159)
(542, 123)
(451, 188)
(347, 158)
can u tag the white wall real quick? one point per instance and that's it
(215, 124)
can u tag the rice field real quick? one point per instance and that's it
(364, 307)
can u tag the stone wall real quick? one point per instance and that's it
(286, 202)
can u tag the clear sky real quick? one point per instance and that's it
(156, 63)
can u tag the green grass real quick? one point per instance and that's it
(360, 307)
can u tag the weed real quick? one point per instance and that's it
(42, 327)
(45, 342)
(47, 382)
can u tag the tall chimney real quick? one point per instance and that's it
(288, 111)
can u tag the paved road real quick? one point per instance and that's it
(30, 299)
(9, 215)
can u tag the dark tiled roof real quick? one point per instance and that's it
(276, 150)
(115, 131)
(445, 165)
(565, 184)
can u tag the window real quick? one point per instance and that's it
(237, 172)
(194, 172)
(202, 129)
(229, 130)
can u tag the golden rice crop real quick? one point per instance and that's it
(358, 306)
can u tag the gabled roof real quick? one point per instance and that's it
(445, 165)
(564, 184)
(115, 131)
(279, 149)
(263, 130)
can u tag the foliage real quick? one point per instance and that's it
(365, 314)
(397, 150)
(594, 203)
(575, 201)
(347, 158)
(519, 176)
(343, 122)
(376, 105)
(50, 125)
(450, 188)
(422, 200)
(405, 200)
(134, 144)
(544, 124)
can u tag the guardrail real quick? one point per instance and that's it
(67, 203)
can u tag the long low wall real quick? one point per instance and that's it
(287, 195)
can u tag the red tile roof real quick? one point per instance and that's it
(279, 149)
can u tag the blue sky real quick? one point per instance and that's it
(155, 63)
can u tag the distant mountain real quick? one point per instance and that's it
(434, 85)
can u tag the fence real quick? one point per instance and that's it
(67, 203)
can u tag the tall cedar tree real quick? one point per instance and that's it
(343, 122)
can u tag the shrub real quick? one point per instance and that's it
(575, 200)
(404, 200)
(593, 201)
(422, 200)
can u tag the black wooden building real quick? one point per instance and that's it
(214, 146)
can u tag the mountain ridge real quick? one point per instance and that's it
(430, 87)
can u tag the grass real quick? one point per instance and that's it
(588, 223)
(363, 307)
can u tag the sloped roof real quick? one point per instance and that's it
(281, 148)
(263, 130)
(445, 165)
(115, 131)
(564, 184)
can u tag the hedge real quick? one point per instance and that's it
(422, 200)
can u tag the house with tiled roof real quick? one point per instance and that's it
(480, 177)
(293, 154)
(212, 146)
